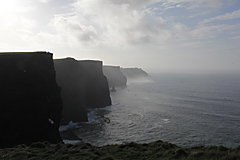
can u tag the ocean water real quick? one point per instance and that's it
(184, 109)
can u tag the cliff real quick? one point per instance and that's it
(30, 99)
(83, 86)
(115, 76)
(97, 91)
(134, 72)
(71, 78)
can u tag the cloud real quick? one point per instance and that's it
(94, 24)
(227, 16)
(117, 23)
(123, 23)
(192, 4)
(211, 31)
(72, 29)
(208, 28)
(235, 37)
(44, 1)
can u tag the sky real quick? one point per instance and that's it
(158, 34)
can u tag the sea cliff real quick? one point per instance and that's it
(83, 87)
(97, 91)
(118, 76)
(114, 76)
(30, 99)
(134, 72)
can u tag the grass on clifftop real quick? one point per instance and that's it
(131, 151)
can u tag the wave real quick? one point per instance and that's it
(70, 125)
(72, 141)
(97, 116)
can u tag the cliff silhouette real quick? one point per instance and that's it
(30, 99)
(134, 72)
(118, 76)
(39, 93)
(83, 87)
(114, 76)
(35, 99)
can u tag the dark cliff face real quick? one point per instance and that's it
(71, 78)
(97, 91)
(134, 72)
(83, 86)
(30, 99)
(115, 76)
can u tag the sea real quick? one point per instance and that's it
(186, 109)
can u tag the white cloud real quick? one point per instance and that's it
(192, 4)
(227, 16)
(123, 23)
(235, 37)
(204, 32)
(114, 29)
(44, 1)
(73, 31)
(118, 23)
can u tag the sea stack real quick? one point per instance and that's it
(30, 99)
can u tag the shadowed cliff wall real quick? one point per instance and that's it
(97, 91)
(134, 72)
(83, 86)
(30, 99)
(71, 78)
(114, 76)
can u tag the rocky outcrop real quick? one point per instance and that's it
(115, 76)
(134, 72)
(30, 99)
(83, 86)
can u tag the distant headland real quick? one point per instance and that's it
(118, 76)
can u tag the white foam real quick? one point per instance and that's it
(69, 126)
(166, 121)
(72, 141)
(95, 117)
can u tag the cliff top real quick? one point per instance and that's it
(111, 66)
(18, 53)
(81, 61)
(90, 61)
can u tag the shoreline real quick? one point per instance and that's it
(153, 150)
